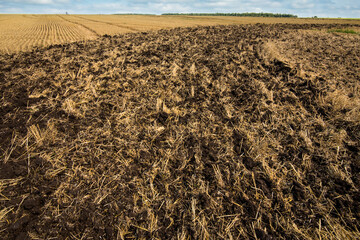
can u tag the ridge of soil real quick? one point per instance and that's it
(236, 132)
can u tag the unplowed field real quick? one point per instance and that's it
(24, 32)
(226, 132)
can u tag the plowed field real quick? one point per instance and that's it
(223, 132)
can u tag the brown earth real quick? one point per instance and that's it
(226, 132)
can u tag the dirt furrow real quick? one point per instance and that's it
(81, 25)
(110, 23)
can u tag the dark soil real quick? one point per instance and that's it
(226, 132)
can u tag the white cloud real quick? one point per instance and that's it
(39, 2)
(14, 10)
(109, 6)
(170, 7)
(302, 4)
(34, 1)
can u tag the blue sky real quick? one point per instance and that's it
(302, 8)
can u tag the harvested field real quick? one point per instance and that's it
(217, 132)
(24, 32)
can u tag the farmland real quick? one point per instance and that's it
(24, 32)
(203, 132)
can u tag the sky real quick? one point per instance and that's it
(302, 8)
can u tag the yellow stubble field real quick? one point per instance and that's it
(24, 32)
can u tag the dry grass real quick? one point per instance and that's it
(226, 132)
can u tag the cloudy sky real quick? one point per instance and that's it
(302, 8)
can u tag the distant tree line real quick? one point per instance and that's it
(133, 14)
(280, 15)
